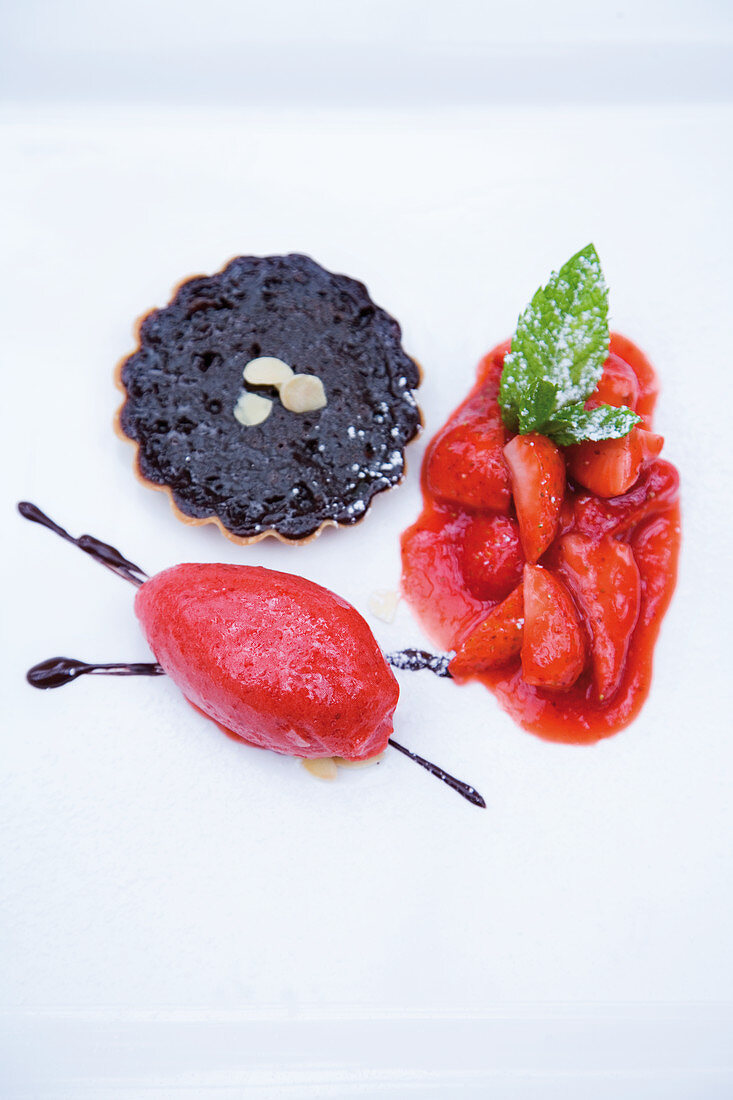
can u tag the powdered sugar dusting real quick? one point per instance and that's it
(562, 335)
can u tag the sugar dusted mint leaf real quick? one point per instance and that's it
(562, 338)
(536, 404)
(557, 356)
(576, 424)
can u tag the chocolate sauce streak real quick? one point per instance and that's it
(101, 551)
(57, 671)
(413, 660)
(468, 792)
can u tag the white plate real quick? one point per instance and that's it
(187, 913)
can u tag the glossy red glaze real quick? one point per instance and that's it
(655, 491)
(643, 522)
(646, 376)
(604, 579)
(273, 658)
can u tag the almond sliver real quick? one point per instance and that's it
(267, 371)
(322, 767)
(251, 409)
(303, 393)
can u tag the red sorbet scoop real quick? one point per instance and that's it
(272, 658)
(275, 659)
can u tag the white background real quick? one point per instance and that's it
(183, 912)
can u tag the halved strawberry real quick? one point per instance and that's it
(466, 465)
(611, 467)
(553, 644)
(657, 488)
(604, 578)
(492, 559)
(538, 485)
(618, 385)
(494, 641)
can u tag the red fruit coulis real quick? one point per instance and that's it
(439, 585)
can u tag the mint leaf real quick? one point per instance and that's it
(536, 405)
(575, 424)
(562, 338)
(557, 356)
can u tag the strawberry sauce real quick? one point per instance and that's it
(614, 558)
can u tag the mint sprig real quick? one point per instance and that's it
(557, 356)
(575, 423)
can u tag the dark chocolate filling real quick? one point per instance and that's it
(294, 471)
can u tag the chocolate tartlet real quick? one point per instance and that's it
(293, 473)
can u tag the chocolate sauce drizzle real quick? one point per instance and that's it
(101, 551)
(468, 792)
(57, 671)
(413, 660)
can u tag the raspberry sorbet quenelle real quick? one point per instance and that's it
(546, 551)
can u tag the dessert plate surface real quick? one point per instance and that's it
(185, 911)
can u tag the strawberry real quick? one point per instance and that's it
(612, 466)
(494, 641)
(604, 578)
(432, 577)
(553, 644)
(538, 486)
(492, 558)
(618, 385)
(273, 658)
(658, 487)
(645, 375)
(466, 465)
